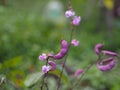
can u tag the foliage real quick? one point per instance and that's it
(24, 35)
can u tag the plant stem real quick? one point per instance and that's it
(44, 78)
(85, 71)
(59, 81)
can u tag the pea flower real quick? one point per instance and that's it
(76, 20)
(78, 72)
(43, 56)
(97, 48)
(106, 64)
(75, 42)
(45, 69)
(69, 13)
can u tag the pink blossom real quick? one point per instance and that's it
(45, 69)
(76, 20)
(69, 13)
(42, 57)
(78, 72)
(75, 42)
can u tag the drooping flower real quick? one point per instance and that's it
(78, 72)
(106, 52)
(52, 64)
(97, 48)
(76, 20)
(69, 13)
(63, 51)
(43, 56)
(75, 42)
(45, 69)
(106, 64)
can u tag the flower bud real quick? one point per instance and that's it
(97, 47)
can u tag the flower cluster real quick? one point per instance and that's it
(63, 51)
(75, 19)
(107, 63)
(50, 65)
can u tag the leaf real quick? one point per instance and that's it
(12, 62)
(57, 73)
(32, 79)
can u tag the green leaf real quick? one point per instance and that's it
(57, 72)
(12, 62)
(32, 79)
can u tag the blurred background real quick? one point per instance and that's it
(31, 27)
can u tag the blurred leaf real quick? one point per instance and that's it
(57, 72)
(12, 62)
(32, 79)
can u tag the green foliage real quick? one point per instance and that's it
(32, 79)
(57, 73)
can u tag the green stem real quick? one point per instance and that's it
(85, 71)
(59, 81)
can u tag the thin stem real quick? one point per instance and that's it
(44, 77)
(85, 71)
(59, 81)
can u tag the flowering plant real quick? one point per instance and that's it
(105, 62)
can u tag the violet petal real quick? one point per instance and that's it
(109, 64)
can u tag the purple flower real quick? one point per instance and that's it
(109, 53)
(52, 64)
(106, 64)
(45, 69)
(42, 57)
(97, 47)
(78, 72)
(75, 42)
(76, 20)
(69, 13)
(63, 51)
